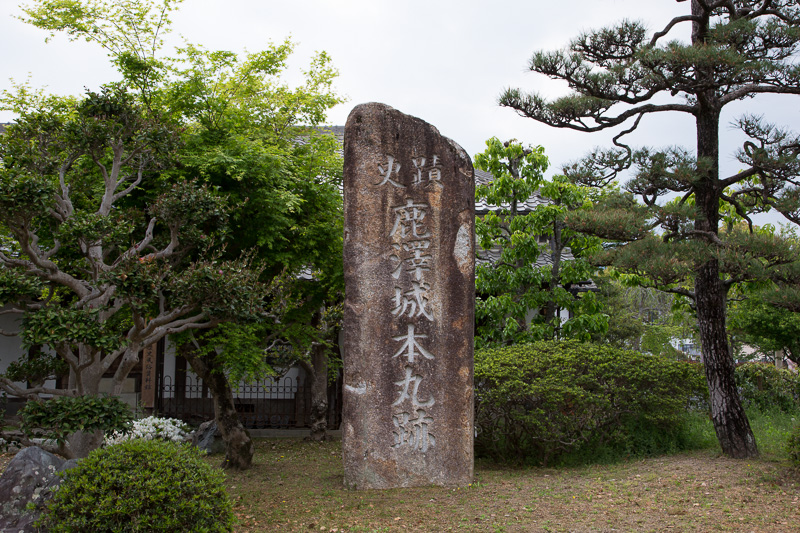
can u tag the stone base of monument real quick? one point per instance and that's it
(409, 263)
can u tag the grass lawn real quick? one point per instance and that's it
(297, 486)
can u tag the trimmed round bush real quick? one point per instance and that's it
(61, 416)
(540, 401)
(141, 485)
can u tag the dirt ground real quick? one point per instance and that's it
(297, 486)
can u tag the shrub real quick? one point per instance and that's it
(152, 428)
(793, 446)
(141, 485)
(766, 388)
(539, 401)
(62, 416)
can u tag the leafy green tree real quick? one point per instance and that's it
(738, 49)
(249, 136)
(520, 295)
(256, 140)
(96, 275)
(640, 318)
(769, 327)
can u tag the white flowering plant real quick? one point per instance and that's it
(152, 428)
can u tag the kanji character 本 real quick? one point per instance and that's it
(415, 301)
(413, 432)
(409, 386)
(408, 218)
(411, 346)
(392, 168)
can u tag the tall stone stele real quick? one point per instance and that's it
(409, 264)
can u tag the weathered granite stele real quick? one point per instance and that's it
(409, 207)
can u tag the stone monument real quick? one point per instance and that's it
(409, 266)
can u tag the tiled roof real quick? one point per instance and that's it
(481, 207)
(337, 131)
(493, 256)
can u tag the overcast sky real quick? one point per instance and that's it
(445, 61)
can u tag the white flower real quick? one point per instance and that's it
(151, 428)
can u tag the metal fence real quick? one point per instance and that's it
(282, 403)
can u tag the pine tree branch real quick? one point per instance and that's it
(740, 210)
(668, 27)
(683, 235)
(738, 177)
(680, 290)
(538, 113)
(746, 90)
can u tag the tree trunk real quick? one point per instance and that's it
(239, 447)
(81, 443)
(317, 372)
(727, 413)
(552, 316)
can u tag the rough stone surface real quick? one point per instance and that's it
(409, 203)
(209, 438)
(31, 476)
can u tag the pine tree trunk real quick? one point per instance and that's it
(239, 447)
(727, 413)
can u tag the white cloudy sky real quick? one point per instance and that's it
(444, 61)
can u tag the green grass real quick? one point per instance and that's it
(772, 430)
(298, 486)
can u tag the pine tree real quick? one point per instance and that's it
(684, 237)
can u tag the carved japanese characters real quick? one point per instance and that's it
(409, 303)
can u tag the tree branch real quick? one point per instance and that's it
(44, 268)
(738, 177)
(11, 388)
(198, 325)
(165, 320)
(682, 235)
(746, 90)
(132, 186)
(668, 27)
(681, 291)
(603, 123)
